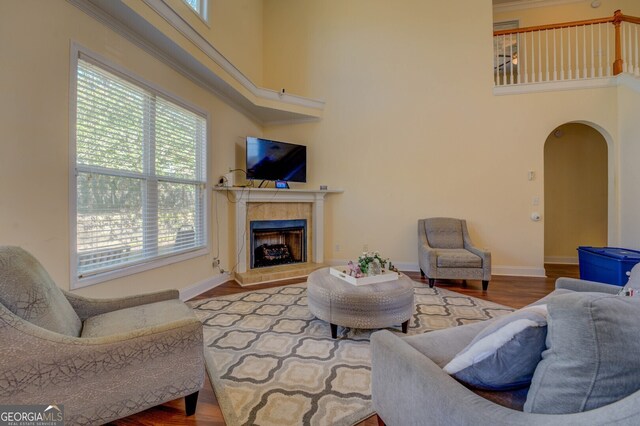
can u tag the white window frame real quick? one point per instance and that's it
(76, 52)
(203, 12)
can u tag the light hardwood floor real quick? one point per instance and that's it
(511, 291)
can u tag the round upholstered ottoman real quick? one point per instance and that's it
(367, 306)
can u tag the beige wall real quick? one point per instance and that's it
(575, 193)
(411, 128)
(234, 28)
(629, 101)
(34, 151)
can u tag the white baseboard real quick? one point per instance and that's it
(198, 288)
(565, 260)
(516, 271)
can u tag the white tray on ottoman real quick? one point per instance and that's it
(339, 271)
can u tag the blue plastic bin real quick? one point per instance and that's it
(606, 264)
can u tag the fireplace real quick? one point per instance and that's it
(278, 242)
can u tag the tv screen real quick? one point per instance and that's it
(273, 160)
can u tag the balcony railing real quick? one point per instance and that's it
(580, 50)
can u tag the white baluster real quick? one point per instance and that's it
(625, 56)
(584, 51)
(593, 60)
(636, 71)
(577, 57)
(546, 52)
(533, 58)
(599, 50)
(539, 57)
(525, 63)
(555, 56)
(630, 61)
(510, 58)
(625, 52)
(569, 67)
(504, 60)
(608, 28)
(561, 54)
(496, 70)
(623, 37)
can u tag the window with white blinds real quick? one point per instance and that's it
(140, 173)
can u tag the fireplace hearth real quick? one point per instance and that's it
(278, 242)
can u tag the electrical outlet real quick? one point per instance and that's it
(365, 247)
(337, 247)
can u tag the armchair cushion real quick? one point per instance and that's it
(28, 291)
(87, 307)
(505, 354)
(136, 318)
(592, 357)
(444, 232)
(457, 258)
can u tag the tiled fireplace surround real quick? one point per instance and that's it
(260, 204)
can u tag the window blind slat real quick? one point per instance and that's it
(130, 211)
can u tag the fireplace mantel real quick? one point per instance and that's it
(243, 196)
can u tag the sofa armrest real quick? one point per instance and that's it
(409, 389)
(87, 307)
(575, 284)
(468, 245)
(485, 255)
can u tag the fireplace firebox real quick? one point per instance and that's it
(278, 242)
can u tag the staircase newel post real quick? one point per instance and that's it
(617, 64)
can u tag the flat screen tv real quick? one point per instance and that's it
(273, 160)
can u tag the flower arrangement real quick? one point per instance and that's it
(366, 259)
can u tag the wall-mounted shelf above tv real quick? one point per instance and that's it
(145, 24)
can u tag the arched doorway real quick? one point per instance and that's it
(576, 191)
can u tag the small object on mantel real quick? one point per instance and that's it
(323, 187)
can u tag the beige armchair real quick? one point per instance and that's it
(102, 359)
(445, 251)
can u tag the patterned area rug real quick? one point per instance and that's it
(272, 363)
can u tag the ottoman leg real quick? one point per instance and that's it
(405, 326)
(334, 330)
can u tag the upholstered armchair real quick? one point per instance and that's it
(102, 359)
(445, 251)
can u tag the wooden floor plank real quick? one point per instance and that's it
(511, 291)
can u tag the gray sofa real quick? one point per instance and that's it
(102, 359)
(445, 251)
(409, 386)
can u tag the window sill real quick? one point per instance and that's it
(78, 283)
